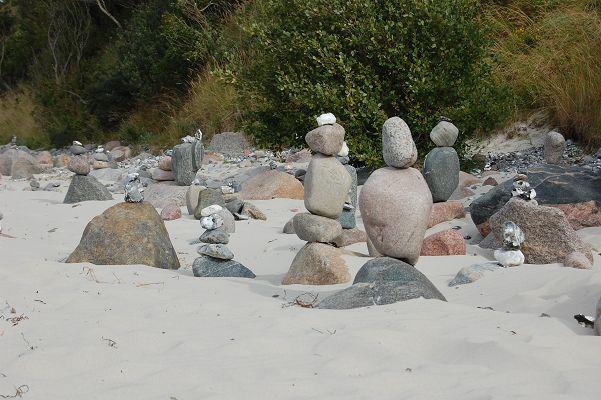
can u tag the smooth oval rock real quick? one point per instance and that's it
(317, 264)
(441, 170)
(126, 234)
(444, 134)
(215, 236)
(326, 119)
(79, 165)
(395, 205)
(215, 250)
(398, 146)
(327, 184)
(314, 228)
(553, 147)
(326, 139)
(171, 212)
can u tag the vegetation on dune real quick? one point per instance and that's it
(150, 71)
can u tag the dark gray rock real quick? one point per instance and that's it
(186, 161)
(347, 218)
(235, 206)
(86, 188)
(77, 150)
(383, 280)
(209, 267)
(553, 184)
(441, 170)
(215, 236)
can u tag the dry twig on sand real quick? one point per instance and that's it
(19, 392)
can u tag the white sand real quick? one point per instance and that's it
(135, 332)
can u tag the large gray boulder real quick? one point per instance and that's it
(553, 185)
(549, 238)
(125, 234)
(395, 205)
(86, 188)
(441, 170)
(186, 161)
(327, 184)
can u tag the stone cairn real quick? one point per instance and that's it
(441, 166)
(84, 187)
(186, 159)
(511, 255)
(522, 189)
(216, 259)
(327, 186)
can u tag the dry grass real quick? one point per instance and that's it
(550, 56)
(17, 117)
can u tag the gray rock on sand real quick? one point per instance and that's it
(161, 194)
(327, 184)
(215, 250)
(215, 236)
(289, 227)
(395, 206)
(473, 273)
(235, 206)
(86, 188)
(126, 234)
(441, 170)
(326, 139)
(251, 211)
(549, 238)
(398, 146)
(209, 267)
(186, 161)
(79, 165)
(77, 150)
(386, 269)
(317, 264)
(192, 195)
(444, 134)
(347, 218)
(553, 147)
(314, 228)
(24, 165)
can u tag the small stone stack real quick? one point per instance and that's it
(101, 159)
(441, 166)
(164, 171)
(84, 187)
(216, 259)
(327, 185)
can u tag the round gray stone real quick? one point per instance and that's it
(444, 134)
(313, 228)
(326, 139)
(327, 184)
(398, 146)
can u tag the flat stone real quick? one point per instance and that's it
(398, 146)
(101, 157)
(314, 228)
(327, 184)
(215, 236)
(220, 251)
(349, 237)
(444, 134)
(86, 188)
(253, 212)
(326, 139)
(77, 150)
(317, 264)
(441, 170)
(209, 267)
(289, 227)
(395, 206)
(126, 234)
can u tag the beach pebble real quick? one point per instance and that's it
(289, 227)
(326, 139)
(444, 134)
(327, 184)
(398, 146)
(77, 149)
(509, 258)
(314, 228)
(220, 251)
(101, 157)
(211, 222)
(344, 151)
(473, 273)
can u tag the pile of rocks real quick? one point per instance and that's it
(395, 204)
(327, 185)
(216, 259)
(84, 187)
(164, 171)
(441, 166)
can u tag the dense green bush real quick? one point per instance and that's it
(363, 60)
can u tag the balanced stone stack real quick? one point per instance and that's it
(84, 187)
(441, 166)
(327, 185)
(186, 161)
(216, 259)
(164, 171)
(395, 204)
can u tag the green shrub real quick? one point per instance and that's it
(363, 60)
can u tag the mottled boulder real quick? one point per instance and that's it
(161, 194)
(186, 161)
(326, 139)
(398, 146)
(549, 238)
(313, 228)
(86, 188)
(229, 143)
(327, 184)
(125, 234)
(272, 184)
(252, 211)
(45, 161)
(209, 267)
(581, 215)
(79, 165)
(171, 212)
(445, 211)
(395, 205)
(317, 264)
(553, 185)
(445, 243)
(444, 134)
(441, 170)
